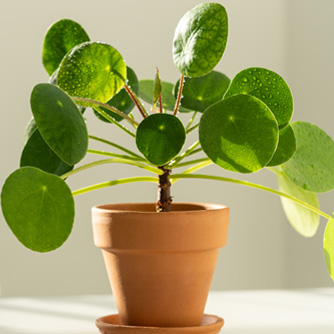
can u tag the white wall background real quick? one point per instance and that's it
(292, 37)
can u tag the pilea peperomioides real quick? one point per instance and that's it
(243, 126)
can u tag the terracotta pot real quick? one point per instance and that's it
(160, 265)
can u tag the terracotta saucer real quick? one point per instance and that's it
(110, 324)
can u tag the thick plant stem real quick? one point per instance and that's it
(164, 197)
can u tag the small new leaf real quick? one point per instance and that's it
(157, 89)
(146, 91)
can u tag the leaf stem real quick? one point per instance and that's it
(115, 182)
(191, 120)
(136, 101)
(115, 155)
(119, 147)
(194, 169)
(179, 95)
(191, 162)
(183, 155)
(108, 161)
(195, 151)
(193, 128)
(110, 119)
(252, 185)
(132, 117)
(106, 106)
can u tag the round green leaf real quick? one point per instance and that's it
(286, 147)
(29, 130)
(53, 81)
(60, 122)
(92, 70)
(37, 153)
(239, 134)
(38, 207)
(311, 167)
(200, 93)
(122, 101)
(60, 38)
(267, 86)
(146, 92)
(304, 221)
(329, 246)
(160, 138)
(200, 39)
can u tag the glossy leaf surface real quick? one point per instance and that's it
(53, 81)
(92, 70)
(60, 122)
(311, 167)
(286, 147)
(122, 101)
(302, 220)
(36, 153)
(60, 38)
(329, 246)
(239, 134)
(160, 137)
(200, 39)
(267, 86)
(38, 208)
(200, 93)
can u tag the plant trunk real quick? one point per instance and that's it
(164, 197)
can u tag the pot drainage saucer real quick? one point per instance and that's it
(110, 324)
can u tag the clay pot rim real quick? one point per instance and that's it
(197, 207)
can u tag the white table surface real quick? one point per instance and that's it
(245, 312)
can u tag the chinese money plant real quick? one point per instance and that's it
(243, 126)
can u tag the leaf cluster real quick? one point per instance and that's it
(244, 125)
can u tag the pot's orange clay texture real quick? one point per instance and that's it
(111, 324)
(160, 265)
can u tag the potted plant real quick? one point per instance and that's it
(244, 125)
